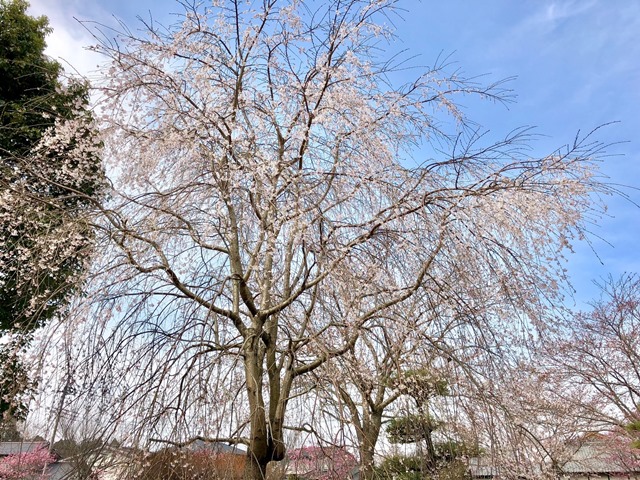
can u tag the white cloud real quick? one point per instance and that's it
(69, 41)
(556, 11)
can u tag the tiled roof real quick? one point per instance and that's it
(12, 448)
(217, 447)
(595, 457)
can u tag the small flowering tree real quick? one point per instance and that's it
(26, 466)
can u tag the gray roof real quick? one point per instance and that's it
(598, 457)
(13, 448)
(217, 447)
(55, 471)
(59, 471)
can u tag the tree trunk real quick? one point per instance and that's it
(258, 452)
(431, 453)
(254, 469)
(370, 431)
(266, 439)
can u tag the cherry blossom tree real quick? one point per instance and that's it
(49, 172)
(483, 394)
(48, 166)
(598, 352)
(274, 195)
(440, 372)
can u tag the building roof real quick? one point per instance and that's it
(217, 447)
(603, 454)
(13, 448)
(600, 457)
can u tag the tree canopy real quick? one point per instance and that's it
(277, 201)
(49, 172)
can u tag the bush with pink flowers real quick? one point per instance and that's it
(26, 466)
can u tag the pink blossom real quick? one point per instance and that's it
(322, 463)
(26, 466)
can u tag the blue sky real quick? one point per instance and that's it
(576, 63)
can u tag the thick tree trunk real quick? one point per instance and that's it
(266, 443)
(368, 439)
(258, 452)
(254, 469)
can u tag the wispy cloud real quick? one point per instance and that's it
(556, 11)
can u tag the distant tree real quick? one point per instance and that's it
(82, 457)
(415, 422)
(418, 423)
(49, 171)
(598, 351)
(362, 386)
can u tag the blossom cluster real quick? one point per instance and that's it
(26, 466)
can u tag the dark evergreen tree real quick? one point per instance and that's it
(50, 174)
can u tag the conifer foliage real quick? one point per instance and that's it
(50, 172)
